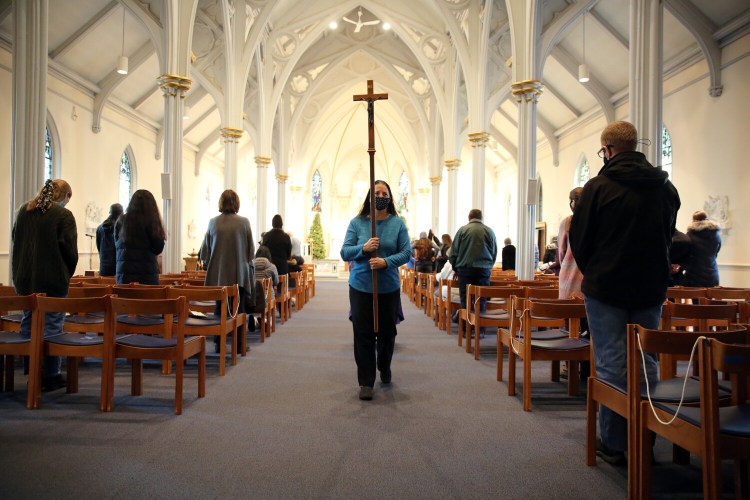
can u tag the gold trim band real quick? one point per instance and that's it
(230, 134)
(436, 179)
(479, 139)
(452, 164)
(262, 161)
(527, 89)
(282, 177)
(172, 85)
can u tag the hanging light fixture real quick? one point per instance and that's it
(583, 70)
(122, 61)
(186, 111)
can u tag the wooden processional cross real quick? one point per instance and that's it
(371, 97)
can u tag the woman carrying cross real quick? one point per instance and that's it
(381, 255)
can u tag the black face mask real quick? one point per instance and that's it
(605, 160)
(381, 203)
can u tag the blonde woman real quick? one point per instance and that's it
(45, 255)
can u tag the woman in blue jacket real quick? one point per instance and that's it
(384, 254)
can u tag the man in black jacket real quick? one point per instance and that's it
(620, 236)
(105, 242)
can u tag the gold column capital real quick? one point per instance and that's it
(452, 164)
(479, 139)
(528, 90)
(230, 134)
(282, 177)
(262, 161)
(435, 180)
(173, 85)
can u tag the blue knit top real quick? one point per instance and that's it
(394, 248)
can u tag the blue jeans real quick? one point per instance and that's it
(608, 327)
(53, 325)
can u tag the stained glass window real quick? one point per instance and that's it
(402, 204)
(317, 192)
(126, 178)
(666, 151)
(47, 155)
(583, 172)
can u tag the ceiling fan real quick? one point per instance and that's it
(358, 23)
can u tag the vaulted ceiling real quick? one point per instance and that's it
(316, 68)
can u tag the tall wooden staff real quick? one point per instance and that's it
(371, 97)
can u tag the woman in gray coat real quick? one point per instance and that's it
(228, 248)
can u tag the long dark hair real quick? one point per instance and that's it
(142, 213)
(365, 211)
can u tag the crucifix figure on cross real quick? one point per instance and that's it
(371, 97)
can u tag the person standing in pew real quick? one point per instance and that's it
(139, 238)
(105, 242)
(620, 235)
(45, 255)
(383, 253)
(228, 249)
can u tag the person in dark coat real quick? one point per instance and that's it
(139, 238)
(45, 254)
(105, 242)
(508, 256)
(705, 240)
(679, 257)
(620, 235)
(279, 244)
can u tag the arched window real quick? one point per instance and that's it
(666, 151)
(51, 150)
(126, 178)
(583, 172)
(48, 171)
(402, 204)
(317, 192)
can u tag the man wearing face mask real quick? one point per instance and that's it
(45, 255)
(620, 235)
(473, 254)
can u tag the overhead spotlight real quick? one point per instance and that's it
(333, 25)
(386, 26)
(583, 73)
(583, 70)
(122, 65)
(122, 61)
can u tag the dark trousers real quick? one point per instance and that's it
(366, 343)
(472, 276)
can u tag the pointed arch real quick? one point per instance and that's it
(402, 202)
(52, 150)
(127, 175)
(666, 151)
(316, 190)
(582, 172)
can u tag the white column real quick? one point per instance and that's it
(646, 74)
(29, 118)
(478, 143)
(452, 167)
(527, 92)
(435, 218)
(174, 88)
(262, 162)
(281, 193)
(231, 137)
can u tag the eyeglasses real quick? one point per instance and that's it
(601, 152)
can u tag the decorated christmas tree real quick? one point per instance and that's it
(316, 237)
